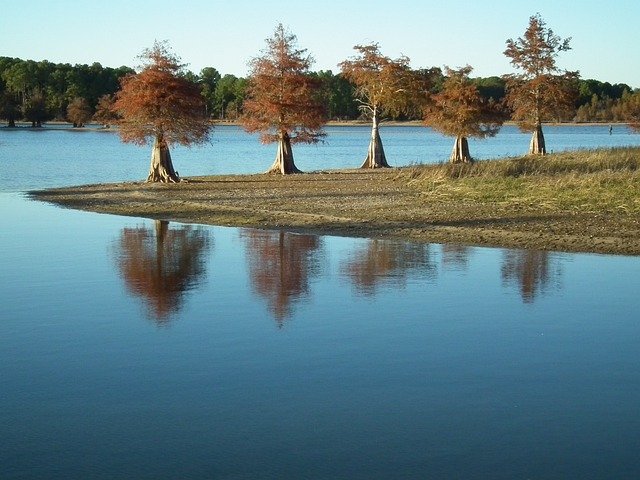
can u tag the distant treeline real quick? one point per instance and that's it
(41, 91)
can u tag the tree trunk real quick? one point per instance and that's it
(460, 153)
(375, 157)
(537, 146)
(161, 169)
(284, 164)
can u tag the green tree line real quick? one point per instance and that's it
(41, 91)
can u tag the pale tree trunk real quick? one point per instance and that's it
(375, 156)
(161, 169)
(284, 158)
(537, 146)
(460, 153)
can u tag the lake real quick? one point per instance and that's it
(138, 349)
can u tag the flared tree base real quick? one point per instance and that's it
(284, 164)
(460, 153)
(375, 156)
(537, 146)
(161, 169)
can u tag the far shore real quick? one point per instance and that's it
(588, 214)
(333, 123)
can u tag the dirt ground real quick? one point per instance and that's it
(356, 203)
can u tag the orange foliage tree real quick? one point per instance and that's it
(541, 91)
(283, 99)
(383, 86)
(460, 111)
(629, 106)
(79, 112)
(104, 111)
(159, 103)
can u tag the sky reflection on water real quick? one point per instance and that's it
(163, 350)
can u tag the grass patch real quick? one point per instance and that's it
(603, 180)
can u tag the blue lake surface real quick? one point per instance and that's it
(138, 349)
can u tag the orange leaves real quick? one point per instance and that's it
(541, 91)
(460, 110)
(282, 96)
(382, 84)
(159, 103)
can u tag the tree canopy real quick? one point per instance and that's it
(380, 81)
(55, 85)
(79, 112)
(158, 103)
(630, 110)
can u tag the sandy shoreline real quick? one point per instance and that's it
(356, 203)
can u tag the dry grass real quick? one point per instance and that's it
(600, 181)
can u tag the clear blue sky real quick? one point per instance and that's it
(225, 34)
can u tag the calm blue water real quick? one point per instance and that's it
(134, 349)
(40, 158)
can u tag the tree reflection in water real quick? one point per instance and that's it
(386, 262)
(455, 257)
(531, 270)
(161, 264)
(281, 265)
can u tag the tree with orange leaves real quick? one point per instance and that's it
(159, 103)
(460, 111)
(383, 86)
(283, 99)
(541, 91)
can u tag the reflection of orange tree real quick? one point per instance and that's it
(455, 255)
(388, 261)
(281, 265)
(529, 269)
(161, 265)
